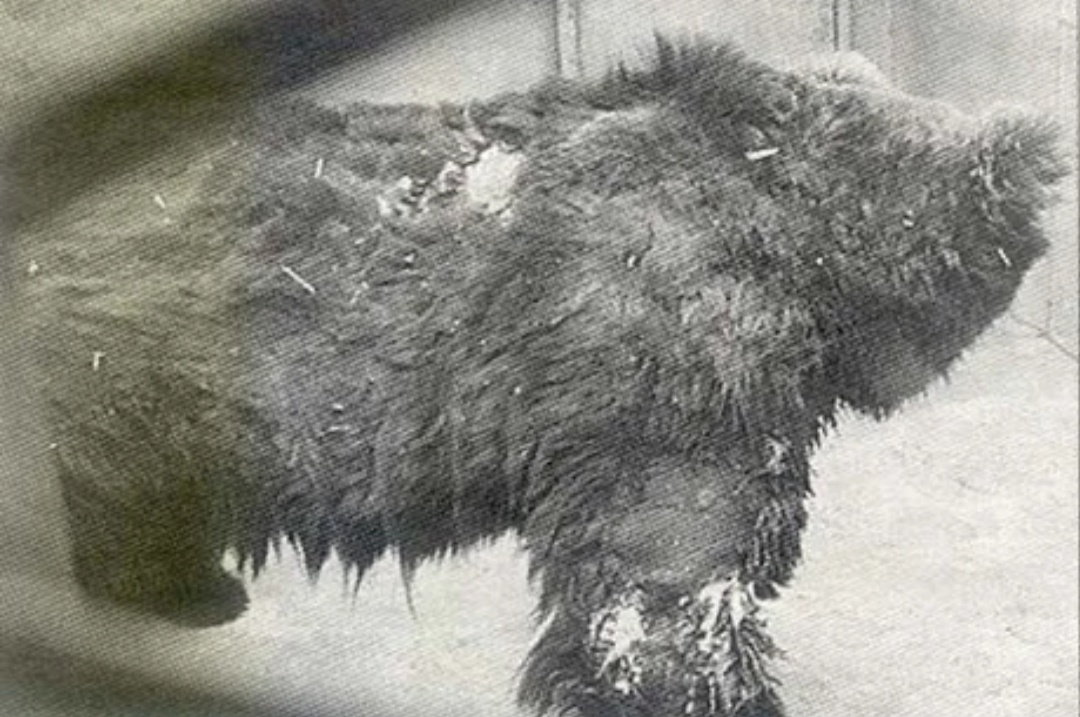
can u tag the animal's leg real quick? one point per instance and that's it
(148, 508)
(654, 605)
(637, 657)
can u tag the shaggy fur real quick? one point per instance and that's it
(628, 364)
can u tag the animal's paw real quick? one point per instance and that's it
(197, 600)
(706, 656)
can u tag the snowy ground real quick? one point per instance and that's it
(941, 575)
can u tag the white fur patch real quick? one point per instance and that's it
(484, 185)
(490, 180)
(714, 617)
(615, 633)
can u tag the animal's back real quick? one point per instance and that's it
(215, 334)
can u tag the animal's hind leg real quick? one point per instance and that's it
(148, 511)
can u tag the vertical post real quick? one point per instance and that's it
(568, 38)
(842, 35)
(868, 27)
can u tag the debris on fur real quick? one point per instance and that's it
(779, 456)
(484, 177)
(712, 644)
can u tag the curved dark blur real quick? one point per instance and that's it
(56, 152)
(59, 653)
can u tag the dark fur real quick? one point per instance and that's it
(631, 373)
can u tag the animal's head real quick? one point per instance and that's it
(929, 221)
(896, 227)
(876, 233)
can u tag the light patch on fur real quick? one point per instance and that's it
(779, 457)
(484, 185)
(490, 180)
(728, 670)
(723, 598)
(713, 638)
(615, 634)
(606, 121)
(712, 595)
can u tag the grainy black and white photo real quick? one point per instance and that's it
(526, 358)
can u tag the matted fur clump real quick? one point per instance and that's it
(612, 317)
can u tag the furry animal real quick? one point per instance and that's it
(624, 347)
